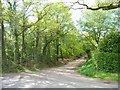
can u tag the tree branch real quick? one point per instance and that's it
(108, 7)
(32, 24)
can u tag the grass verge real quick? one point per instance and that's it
(89, 69)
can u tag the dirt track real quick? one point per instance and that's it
(61, 77)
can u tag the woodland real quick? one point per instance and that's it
(37, 35)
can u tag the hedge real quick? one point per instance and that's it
(111, 43)
(105, 61)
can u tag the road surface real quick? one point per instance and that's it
(60, 77)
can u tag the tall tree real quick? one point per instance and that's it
(96, 24)
(2, 33)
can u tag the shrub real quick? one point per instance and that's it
(88, 68)
(111, 43)
(105, 61)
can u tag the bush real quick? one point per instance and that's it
(88, 68)
(111, 43)
(105, 61)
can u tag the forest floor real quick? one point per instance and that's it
(59, 77)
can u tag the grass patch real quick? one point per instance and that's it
(89, 69)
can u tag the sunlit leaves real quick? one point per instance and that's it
(98, 23)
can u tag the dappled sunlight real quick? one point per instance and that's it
(34, 75)
(59, 43)
(62, 73)
(10, 85)
(61, 77)
(96, 86)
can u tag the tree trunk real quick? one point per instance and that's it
(57, 48)
(45, 45)
(61, 54)
(23, 47)
(16, 48)
(3, 45)
(2, 37)
(48, 54)
(37, 39)
(88, 52)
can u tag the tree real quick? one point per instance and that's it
(96, 24)
(48, 37)
(3, 34)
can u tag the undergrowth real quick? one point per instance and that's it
(89, 69)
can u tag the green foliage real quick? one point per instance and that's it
(49, 37)
(111, 43)
(107, 56)
(89, 69)
(96, 24)
(107, 62)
